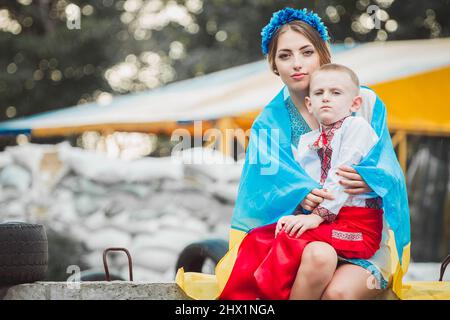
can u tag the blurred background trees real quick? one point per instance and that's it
(47, 61)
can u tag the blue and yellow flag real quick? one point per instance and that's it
(273, 184)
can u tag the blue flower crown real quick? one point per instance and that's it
(287, 15)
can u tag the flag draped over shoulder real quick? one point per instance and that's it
(273, 184)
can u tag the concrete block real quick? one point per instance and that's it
(94, 290)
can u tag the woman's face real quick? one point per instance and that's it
(296, 59)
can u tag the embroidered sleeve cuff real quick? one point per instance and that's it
(326, 214)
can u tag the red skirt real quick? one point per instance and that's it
(266, 266)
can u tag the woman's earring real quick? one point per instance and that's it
(276, 72)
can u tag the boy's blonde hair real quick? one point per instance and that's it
(339, 68)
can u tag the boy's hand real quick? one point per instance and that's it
(314, 198)
(296, 225)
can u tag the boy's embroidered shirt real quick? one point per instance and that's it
(321, 152)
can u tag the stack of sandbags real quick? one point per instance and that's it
(154, 207)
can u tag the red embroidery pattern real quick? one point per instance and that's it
(349, 236)
(324, 150)
(374, 203)
(326, 214)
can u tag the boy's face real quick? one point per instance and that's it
(333, 96)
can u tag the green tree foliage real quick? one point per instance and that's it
(126, 46)
(47, 65)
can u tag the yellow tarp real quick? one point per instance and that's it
(418, 104)
(425, 290)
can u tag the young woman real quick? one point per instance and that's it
(295, 42)
(274, 185)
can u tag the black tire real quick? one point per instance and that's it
(193, 257)
(23, 253)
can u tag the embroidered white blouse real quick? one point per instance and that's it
(348, 142)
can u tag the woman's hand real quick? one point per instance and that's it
(298, 224)
(352, 181)
(314, 198)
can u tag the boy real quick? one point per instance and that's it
(342, 139)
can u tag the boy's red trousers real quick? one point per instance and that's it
(266, 266)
